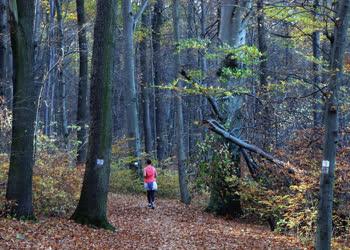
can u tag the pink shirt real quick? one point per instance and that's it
(149, 174)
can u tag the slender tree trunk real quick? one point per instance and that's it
(202, 58)
(132, 102)
(181, 156)
(324, 222)
(161, 95)
(63, 126)
(83, 83)
(264, 118)
(316, 48)
(3, 49)
(193, 102)
(51, 85)
(147, 81)
(19, 185)
(92, 207)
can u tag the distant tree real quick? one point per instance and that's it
(83, 82)
(62, 107)
(92, 205)
(162, 104)
(19, 185)
(3, 47)
(181, 155)
(130, 21)
(147, 80)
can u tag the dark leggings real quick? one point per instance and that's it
(150, 195)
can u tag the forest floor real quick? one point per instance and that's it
(171, 225)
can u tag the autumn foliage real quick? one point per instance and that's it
(286, 198)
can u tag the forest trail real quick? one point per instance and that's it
(171, 225)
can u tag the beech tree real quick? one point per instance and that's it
(19, 185)
(83, 82)
(146, 63)
(3, 46)
(232, 32)
(324, 222)
(92, 207)
(181, 156)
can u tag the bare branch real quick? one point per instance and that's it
(218, 128)
(140, 12)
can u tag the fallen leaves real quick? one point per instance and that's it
(171, 225)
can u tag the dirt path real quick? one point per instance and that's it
(170, 226)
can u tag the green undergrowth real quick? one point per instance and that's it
(126, 181)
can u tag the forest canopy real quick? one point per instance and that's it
(242, 106)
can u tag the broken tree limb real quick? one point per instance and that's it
(252, 167)
(218, 128)
(215, 108)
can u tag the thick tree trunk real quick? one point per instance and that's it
(162, 104)
(232, 32)
(324, 222)
(19, 186)
(92, 205)
(147, 81)
(181, 156)
(83, 83)
(231, 14)
(132, 98)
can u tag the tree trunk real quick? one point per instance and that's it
(181, 156)
(232, 32)
(19, 186)
(132, 102)
(147, 81)
(264, 116)
(63, 126)
(161, 103)
(51, 85)
(324, 222)
(193, 102)
(3, 49)
(83, 83)
(92, 205)
(316, 48)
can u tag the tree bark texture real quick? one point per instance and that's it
(19, 186)
(147, 81)
(132, 98)
(82, 111)
(3, 49)
(316, 48)
(92, 207)
(181, 155)
(324, 222)
(162, 104)
(62, 109)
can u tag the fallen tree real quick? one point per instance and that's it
(216, 127)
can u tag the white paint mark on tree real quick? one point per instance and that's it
(325, 167)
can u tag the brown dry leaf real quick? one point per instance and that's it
(171, 225)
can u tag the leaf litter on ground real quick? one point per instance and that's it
(171, 225)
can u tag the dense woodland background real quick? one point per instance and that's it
(244, 104)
